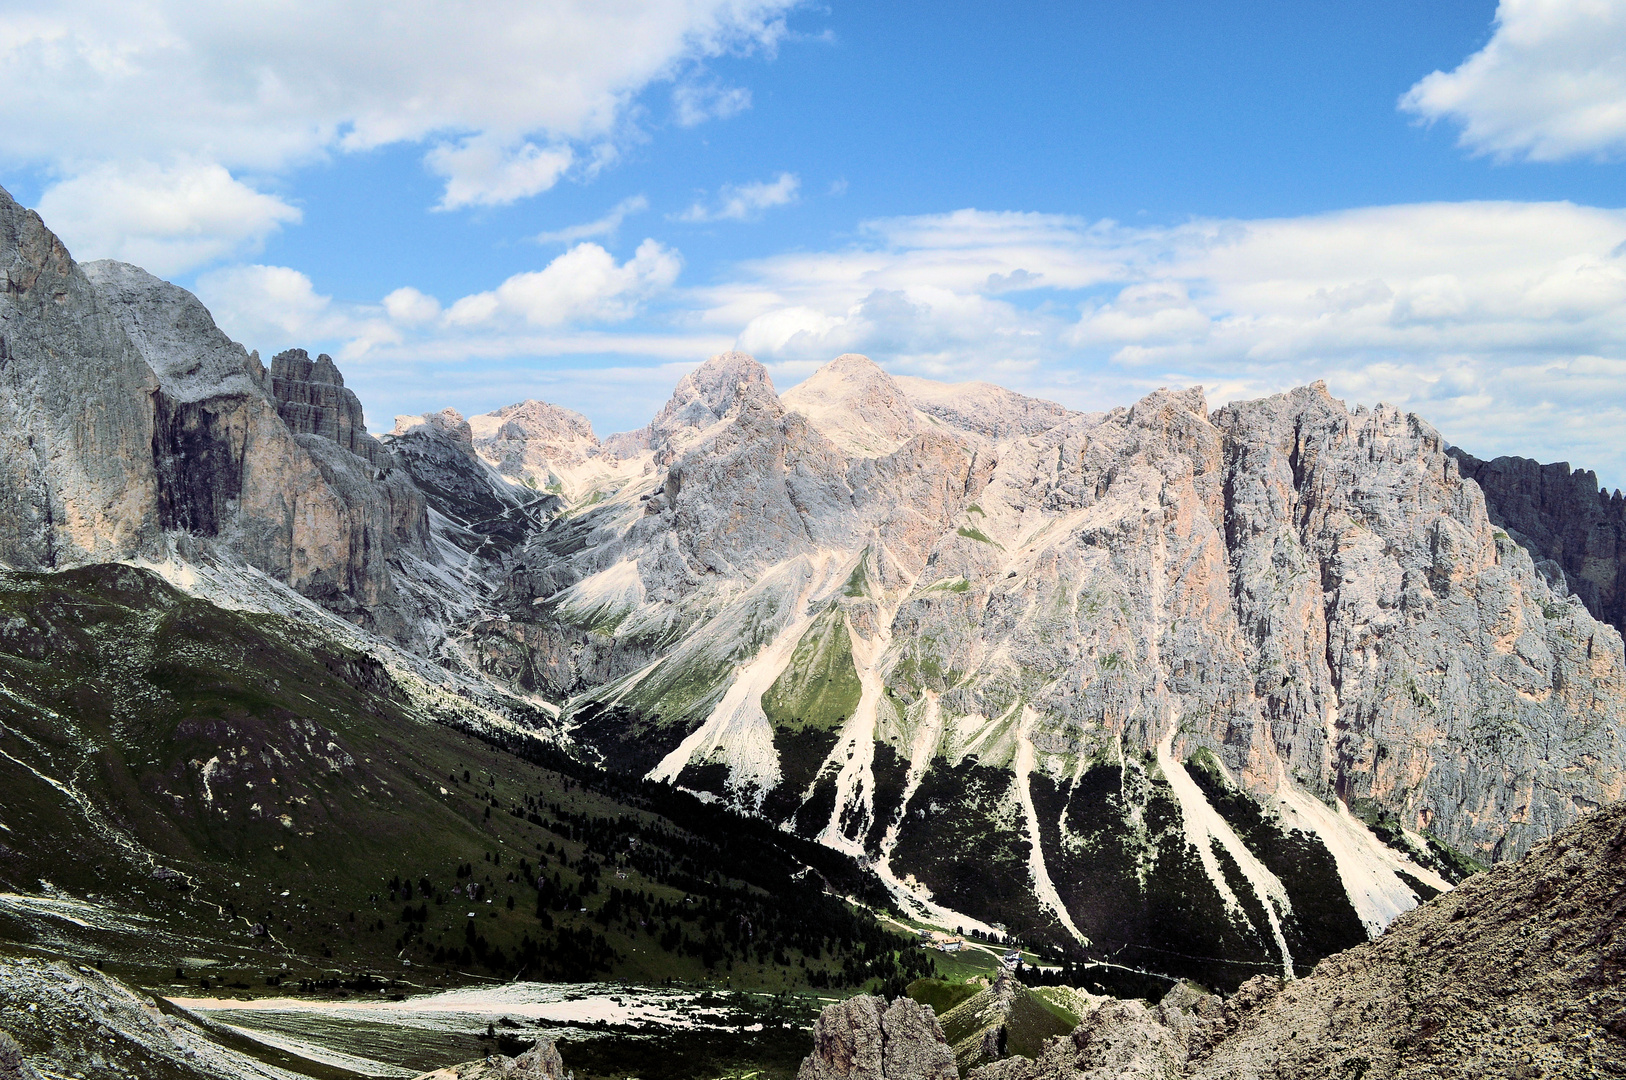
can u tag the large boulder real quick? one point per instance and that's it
(863, 1038)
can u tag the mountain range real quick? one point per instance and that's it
(1184, 691)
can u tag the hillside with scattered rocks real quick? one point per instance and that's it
(1516, 973)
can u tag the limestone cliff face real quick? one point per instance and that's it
(1566, 523)
(135, 426)
(275, 469)
(77, 480)
(978, 639)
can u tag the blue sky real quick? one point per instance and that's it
(1419, 203)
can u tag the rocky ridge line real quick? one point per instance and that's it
(838, 608)
(1563, 518)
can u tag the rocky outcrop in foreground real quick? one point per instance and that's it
(71, 1020)
(863, 1038)
(1515, 973)
(541, 1062)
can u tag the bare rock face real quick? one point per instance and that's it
(70, 1020)
(13, 1066)
(535, 441)
(1262, 678)
(541, 1062)
(863, 1038)
(312, 400)
(77, 480)
(135, 428)
(981, 408)
(856, 405)
(227, 465)
(1560, 516)
(314, 503)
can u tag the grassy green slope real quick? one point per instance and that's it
(819, 687)
(184, 787)
(1005, 1018)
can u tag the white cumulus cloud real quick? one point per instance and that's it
(505, 96)
(483, 171)
(271, 308)
(411, 307)
(585, 284)
(1549, 85)
(164, 219)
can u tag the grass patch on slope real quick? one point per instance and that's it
(819, 688)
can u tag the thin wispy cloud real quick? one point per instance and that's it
(695, 103)
(745, 202)
(608, 225)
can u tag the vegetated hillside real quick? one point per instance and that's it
(185, 783)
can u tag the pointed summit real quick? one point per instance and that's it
(715, 386)
(856, 405)
(712, 391)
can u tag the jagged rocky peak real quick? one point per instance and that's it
(446, 422)
(702, 398)
(312, 400)
(856, 405)
(724, 385)
(1576, 531)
